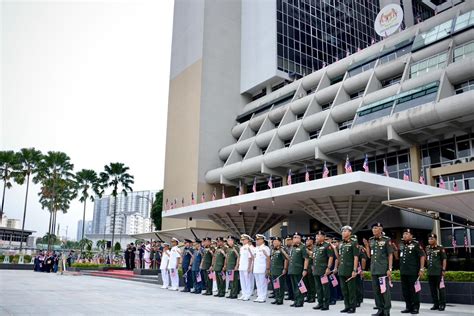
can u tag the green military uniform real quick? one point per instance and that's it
(205, 266)
(348, 250)
(434, 257)
(359, 278)
(410, 254)
(295, 270)
(277, 264)
(321, 254)
(309, 279)
(232, 255)
(380, 249)
(219, 258)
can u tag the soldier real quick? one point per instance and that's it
(298, 268)
(412, 262)
(218, 266)
(380, 251)
(278, 270)
(322, 261)
(186, 266)
(165, 277)
(245, 267)
(232, 266)
(289, 288)
(336, 293)
(348, 266)
(195, 264)
(309, 279)
(436, 261)
(360, 276)
(206, 265)
(173, 264)
(261, 268)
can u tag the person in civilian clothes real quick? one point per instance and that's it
(175, 256)
(126, 255)
(232, 266)
(436, 261)
(198, 277)
(133, 250)
(245, 267)
(165, 258)
(261, 268)
(146, 255)
(186, 266)
(141, 252)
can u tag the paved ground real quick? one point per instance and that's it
(27, 292)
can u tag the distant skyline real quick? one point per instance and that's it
(90, 79)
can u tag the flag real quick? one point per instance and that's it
(325, 170)
(240, 188)
(455, 186)
(383, 285)
(372, 42)
(212, 275)
(358, 49)
(167, 204)
(441, 283)
(348, 165)
(348, 53)
(359, 269)
(385, 169)
(254, 186)
(193, 201)
(422, 177)
(333, 280)
(324, 279)
(223, 192)
(417, 285)
(442, 185)
(466, 243)
(306, 175)
(406, 175)
(289, 177)
(302, 287)
(230, 275)
(214, 193)
(270, 184)
(276, 283)
(182, 201)
(223, 275)
(454, 242)
(198, 277)
(366, 164)
(203, 198)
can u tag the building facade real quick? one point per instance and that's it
(87, 229)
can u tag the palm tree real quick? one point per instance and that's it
(85, 243)
(116, 176)
(101, 243)
(87, 182)
(8, 168)
(29, 158)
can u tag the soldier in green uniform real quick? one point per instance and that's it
(297, 268)
(348, 266)
(218, 266)
(231, 265)
(206, 264)
(380, 252)
(309, 279)
(278, 270)
(436, 260)
(323, 255)
(412, 261)
(288, 248)
(360, 276)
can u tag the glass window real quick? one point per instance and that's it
(463, 51)
(415, 97)
(464, 87)
(433, 35)
(464, 148)
(345, 125)
(428, 64)
(464, 21)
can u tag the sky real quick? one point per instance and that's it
(89, 78)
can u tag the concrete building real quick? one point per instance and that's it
(87, 229)
(402, 107)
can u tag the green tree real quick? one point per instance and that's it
(88, 184)
(101, 244)
(117, 248)
(9, 165)
(157, 209)
(29, 160)
(116, 176)
(85, 243)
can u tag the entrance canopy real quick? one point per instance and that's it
(348, 199)
(182, 233)
(457, 203)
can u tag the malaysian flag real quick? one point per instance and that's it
(302, 287)
(383, 285)
(324, 279)
(167, 204)
(325, 170)
(223, 192)
(276, 283)
(193, 201)
(203, 197)
(466, 243)
(198, 278)
(455, 186)
(270, 184)
(254, 186)
(454, 242)
(358, 49)
(348, 165)
(306, 175)
(241, 191)
(417, 285)
(366, 163)
(348, 53)
(422, 177)
(442, 185)
(406, 175)
(372, 42)
(385, 169)
(441, 284)
(334, 281)
(230, 275)
(289, 177)
(214, 193)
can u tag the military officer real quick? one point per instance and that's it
(309, 279)
(245, 267)
(261, 268)
(186, 266)
(348, 266)
(380, 251)
(288, 247)
(173, 264)
(360, 276)
(436, 262)
(412, 262)
(198, 277)
(206, 264)
(323, 255)
(298, 268)
(231, 265)
(278, 270)
(218, 266)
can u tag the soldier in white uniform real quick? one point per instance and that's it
(146, 256)
(261, 268)
(165, 258)
(245, 268)
(173, 264)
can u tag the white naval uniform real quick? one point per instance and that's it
(246, 277)
(165, 258)
(262, 252)
(146, 256)
(173, 264)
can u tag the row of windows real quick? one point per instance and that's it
(426, 65)
(464, 87)
(463, 51)
(455, 150)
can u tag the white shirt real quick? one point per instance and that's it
(260, 261)
(147, 252)
(175, 254)
(165, 258)
(244, 257)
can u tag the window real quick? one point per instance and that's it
(357, 69)
(463, 51)
(314, 134)
(391, 81)
(415, 97)
(259, 95)
(278, 86)
(435, 34)
(428, 64)
(375, 110)
(396, 54)
(357, 94)
(464, 20)
(337, 79)
(464, 87)
(287, 143)
(299, 116)
(264, 149)
(345, 125)
(326, 106)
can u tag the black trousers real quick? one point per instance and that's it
(412, 299)
(438, 295)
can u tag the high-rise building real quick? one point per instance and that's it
(400, 109)
(87, 229)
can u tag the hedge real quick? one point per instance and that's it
(93, 266)
(16, 258)
(453, 276)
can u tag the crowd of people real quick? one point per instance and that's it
(149, 255)
(306, 268)
(47, 261)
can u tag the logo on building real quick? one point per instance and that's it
(388, 20)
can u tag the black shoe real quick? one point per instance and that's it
(415, 311)
(345, 310)
(318, 307)
(332, 303)
(379, 313)
(405, 311)
(279, 303)
(351, 311)
(274, 302)
(442, 307)
(325, 308)
(358, 305)
(289, 298)
(375, 307)
(185, 290)
(311, 300)
(298, 305)
(293, 305)
(435, 307)
(207, 293)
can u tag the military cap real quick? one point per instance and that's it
(377, 225)
(408, 230)
(220, 239)
(232, 237)
(320, 232)
(432, 235)
(188, 240)
(245, 236)
(175, 239)
(165, 244)
(207, 238)
(197, 240)
(296, 234)
(347, 227)
(276, 238)
(336, 238)
(288, 237)
(311, 237)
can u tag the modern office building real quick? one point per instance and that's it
(402, 108)
(87, 229)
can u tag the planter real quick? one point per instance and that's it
(145, 272)
(16, 266)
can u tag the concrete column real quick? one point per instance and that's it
(415, 163)
(340, 168)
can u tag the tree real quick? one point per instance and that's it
(8, 167)
(116, 176)
(85, 243)
(29, 160)
(88, 183)
(101, 244)
(117, 248)
(157, 209)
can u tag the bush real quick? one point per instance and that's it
(453, 276)
(93, 266)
